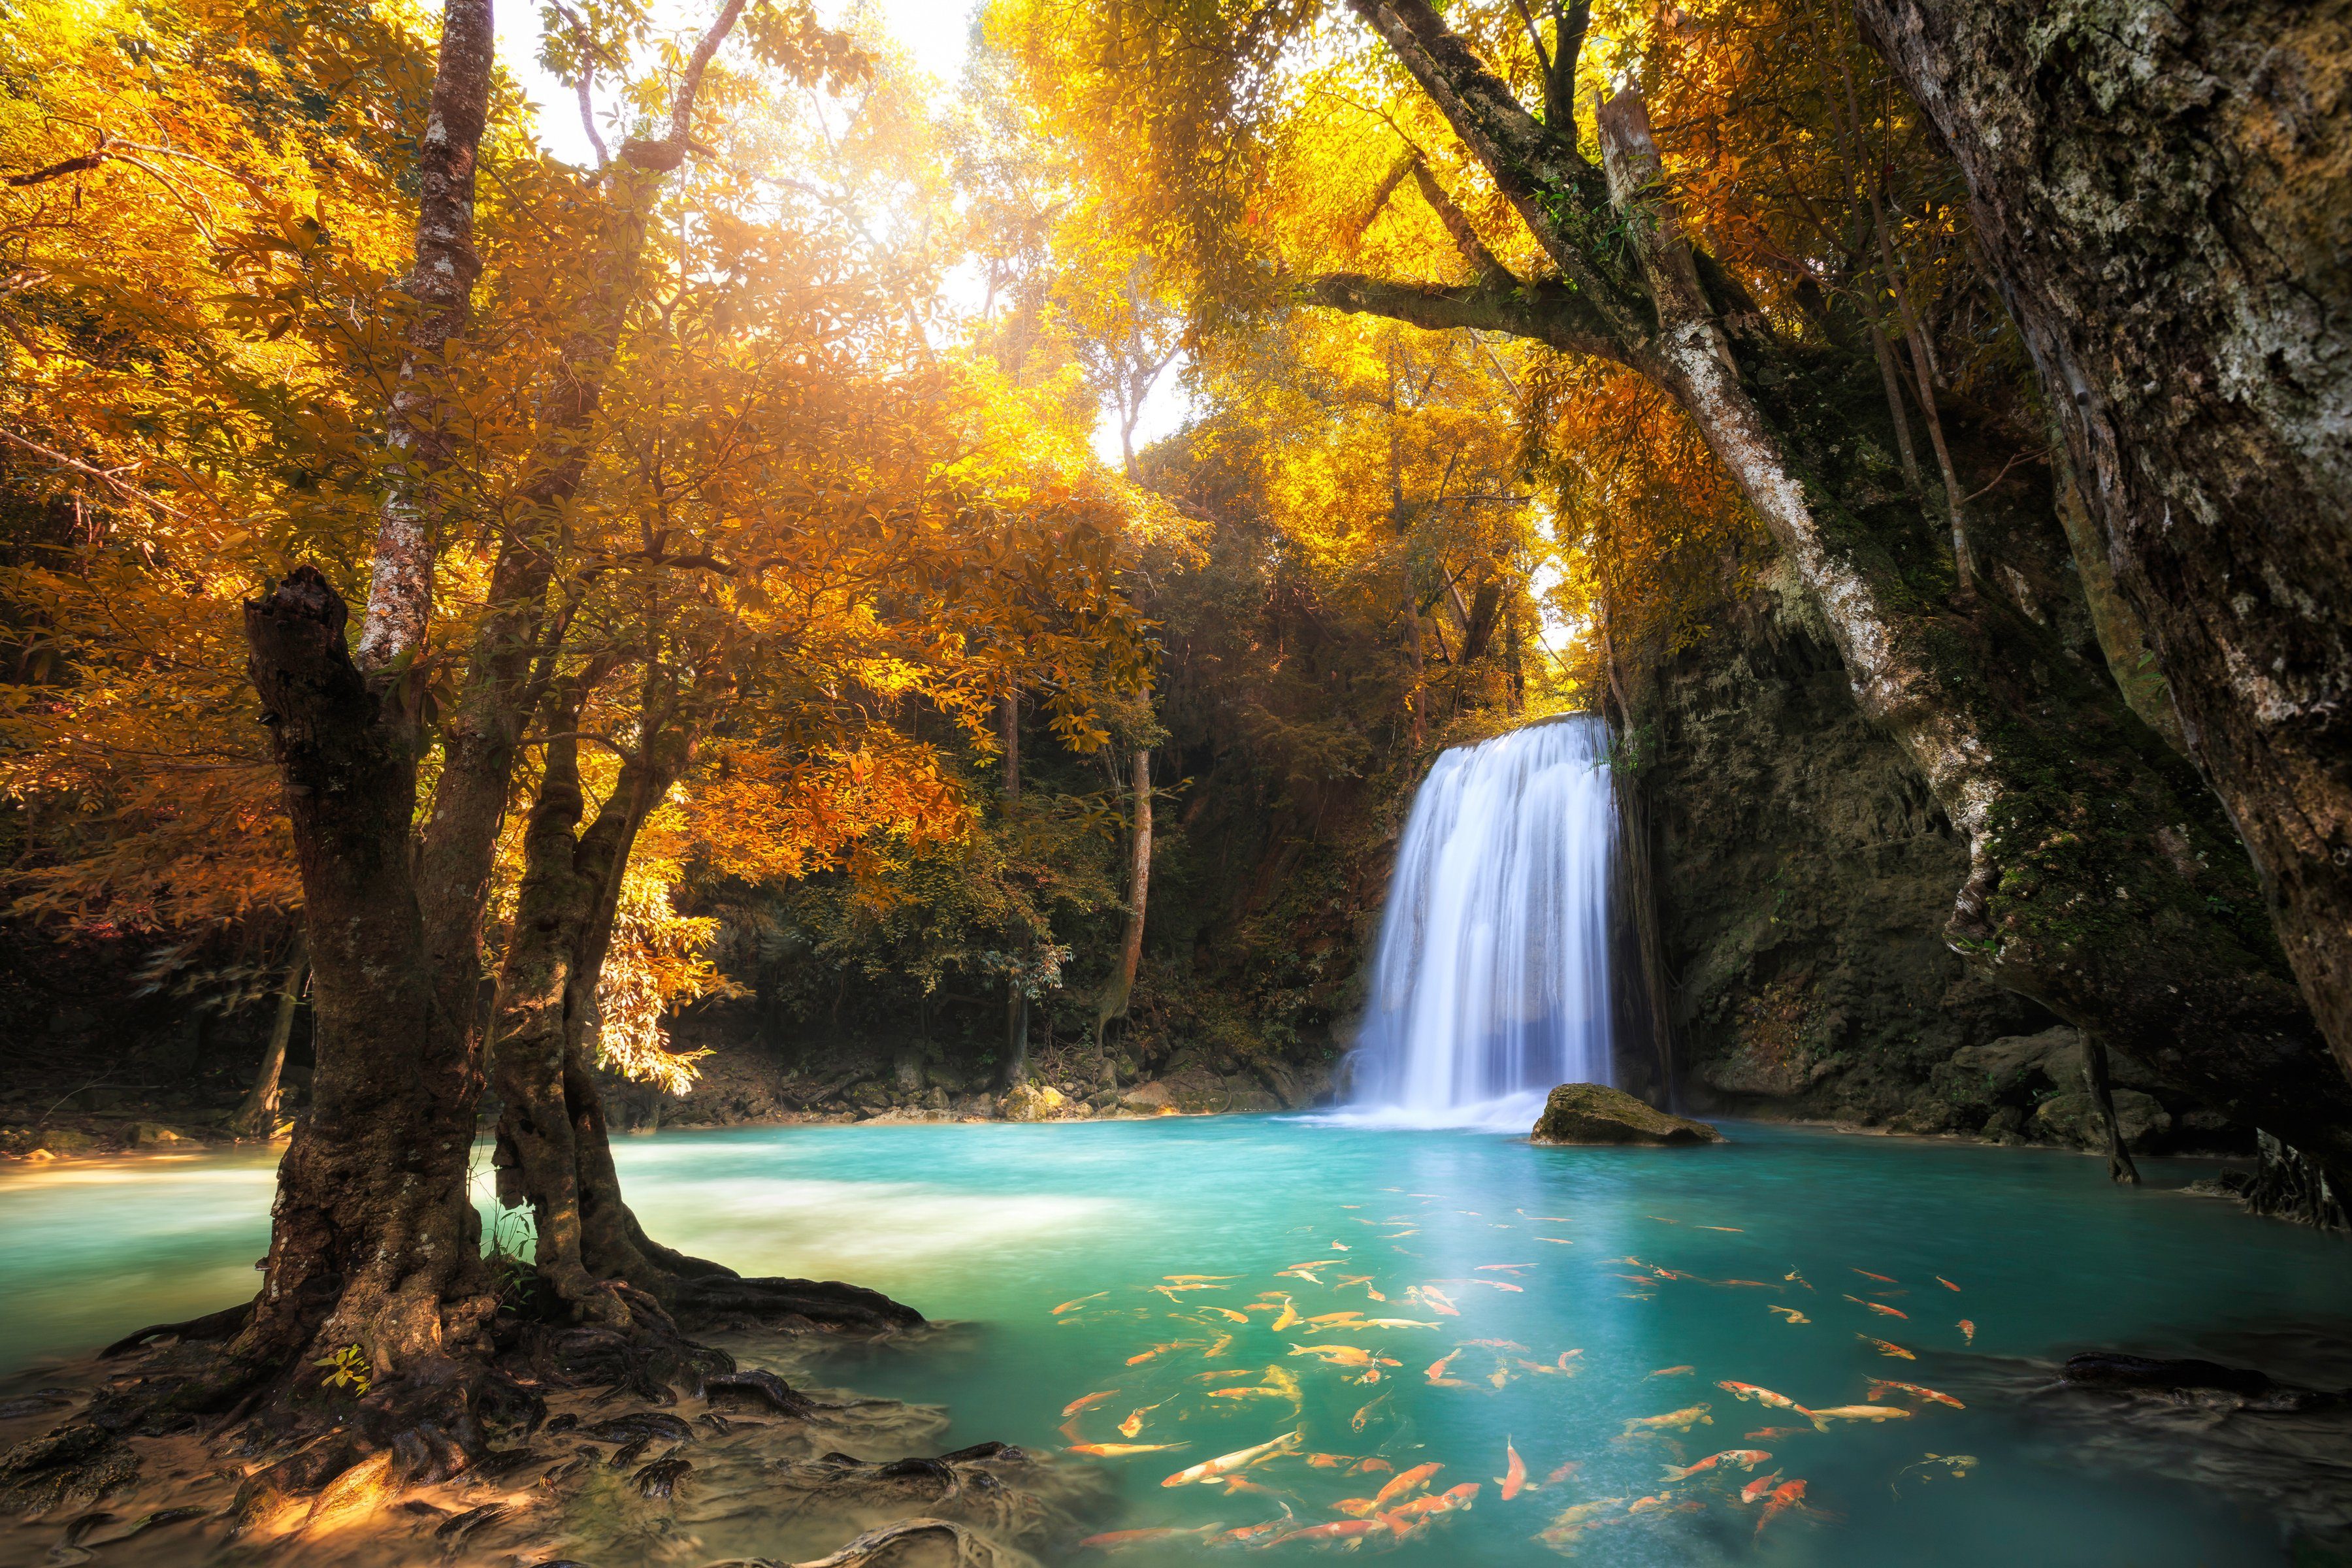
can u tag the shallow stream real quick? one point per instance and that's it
(1564, 1296)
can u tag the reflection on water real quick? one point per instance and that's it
(997, 1226)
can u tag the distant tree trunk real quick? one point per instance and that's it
(1400, 520)
(257, 1117)
(1120, 987)
(1016, 1001)
(2101, 883)
(2161, 193)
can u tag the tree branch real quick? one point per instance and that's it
(1545, 312)
(1483, 263)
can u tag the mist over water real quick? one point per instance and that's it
(1491, 981)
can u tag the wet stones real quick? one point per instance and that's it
(756, 1388)
(1595, 1113)
(642, 1426)
(80, 1463)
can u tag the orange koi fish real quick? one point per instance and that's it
(1083, 1400)
(1774, 1433)
(1218, 1349)
(1340, 1246)
(1945, 1283)
(1496, 1285)
(1242, 1535)
(1348, 1529)
(1500, 1375)
(1884, 1349)
(1119, 1540)
(1493, 1344)
(1745, 1458)
(1380, 1323)
(1134, 1421)
(1784, 1497)
(1546, 1218)
(1217, 1376)
(1435, 1299)
(1236, 1485)
(1420, 1510)
(1289, 1316)
(1860, 1413)
(1081, 1301)
(1969, 1331)
(1563, 1472)
(1405, 1483)
(1561, 1240)
(1672, 1371)
(1572, 1523)
(1732, 1228)
(1789, 1314)
(1880, 1306)
(1644, 1504)
(1436, 1369)
(1882, 1279)
(1341, 1356)
(1122, 1450)
(1161, 1349)
(1253, 1391)
(1328, 1462)
(1793, 1278)
(1373, 1466)
(1764, 1396)
(1681, 1420)
(1541, 1368)
(1240, 1459)
(1761, 1487)
(1336, 1317)
(1195, 1279)
(1363, 1418)
(1501, 1268)
(1228, 1314)
(1879, 1385)
(1513, 1478)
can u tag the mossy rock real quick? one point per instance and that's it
(1595, 1113)
(1032, 1102)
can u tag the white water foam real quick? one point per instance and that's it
(1491, 981)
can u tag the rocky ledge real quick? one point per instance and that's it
(1595, 1113)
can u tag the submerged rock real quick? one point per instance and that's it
(1595, 1113)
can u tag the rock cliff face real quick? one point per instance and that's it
(1804, 879)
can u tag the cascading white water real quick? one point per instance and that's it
(1491, 981)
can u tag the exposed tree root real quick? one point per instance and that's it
(971, 1551)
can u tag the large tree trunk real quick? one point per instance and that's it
(374, 1232)
(2160, 192)
(2102, 882)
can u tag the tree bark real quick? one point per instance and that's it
(441, 281)
(257, 1117)
(1120, 987)
(2100, 883)
(2159, 194)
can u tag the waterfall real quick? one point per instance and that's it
(1491, 981)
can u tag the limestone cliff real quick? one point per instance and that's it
(1803, 878)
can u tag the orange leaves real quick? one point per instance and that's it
(759, 815)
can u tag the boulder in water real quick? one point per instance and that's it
(1595, 1113)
